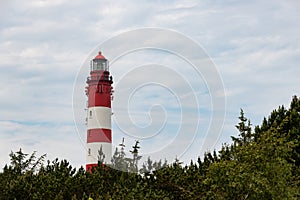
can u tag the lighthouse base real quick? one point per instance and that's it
(89, 167)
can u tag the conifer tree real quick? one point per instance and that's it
(244, 128)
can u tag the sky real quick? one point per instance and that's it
(253, 47)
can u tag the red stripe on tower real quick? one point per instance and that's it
(99, 92)
(99, 135)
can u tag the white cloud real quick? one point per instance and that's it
(55, 140)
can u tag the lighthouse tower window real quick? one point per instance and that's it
(89, 152)
(91, 114)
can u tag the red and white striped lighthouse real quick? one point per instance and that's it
(99, 92)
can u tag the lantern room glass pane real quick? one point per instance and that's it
(100, 65)
(103, 67)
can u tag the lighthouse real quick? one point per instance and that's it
(99, 93)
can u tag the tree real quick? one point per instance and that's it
(244, 128)
(20, 163)
(101, 156)
(259, 171)
(135, 157)
(119, 158)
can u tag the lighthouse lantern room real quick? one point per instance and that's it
(99, 92)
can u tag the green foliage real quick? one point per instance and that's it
(259, 164)
(258, 171)
(244, 128)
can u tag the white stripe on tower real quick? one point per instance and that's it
(99, 117)
(94, 147)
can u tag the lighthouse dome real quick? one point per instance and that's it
(99, 56)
